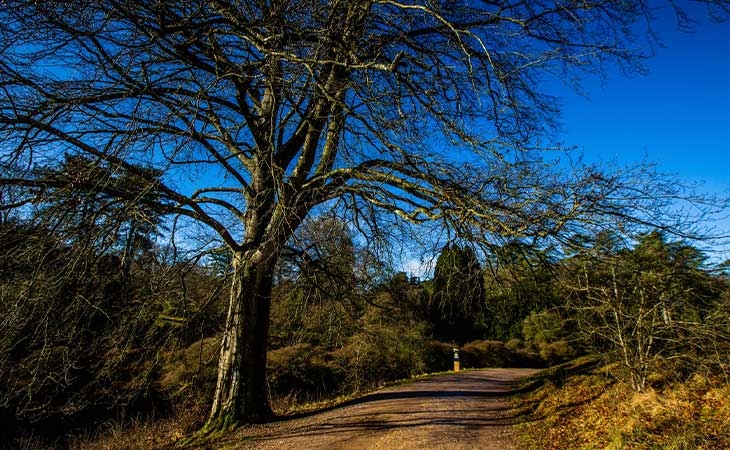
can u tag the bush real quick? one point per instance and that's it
(85, 333)
(478, 354)
(81, 349)
(545, 334)
(302, 371)
(439, 356)
(382, 353)
(542, 327)
(485, 354)
(189, 375)
(556, 352)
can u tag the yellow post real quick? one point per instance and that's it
(456, 359)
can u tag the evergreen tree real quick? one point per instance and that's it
(458, 295)
(520, 282)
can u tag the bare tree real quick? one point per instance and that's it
(256, 112)
(646, 306)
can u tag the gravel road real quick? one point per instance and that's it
(466, 410)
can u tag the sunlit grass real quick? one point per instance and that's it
(578, 409)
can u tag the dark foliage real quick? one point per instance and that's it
(457, 302)
(83, 334)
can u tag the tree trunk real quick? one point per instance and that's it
(241, 394)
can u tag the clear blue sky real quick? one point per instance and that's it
(678, 115)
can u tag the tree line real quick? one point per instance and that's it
(89, 335)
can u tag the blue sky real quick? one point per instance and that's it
(678, 115)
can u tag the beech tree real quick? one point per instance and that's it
(246, 116)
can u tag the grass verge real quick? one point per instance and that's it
(581, 405)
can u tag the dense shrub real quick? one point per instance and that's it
(84, 335)
(381, 354)
(546, 334)
(439, 356)
(189, 375)
(478, 354)
(556, 352)
(485, 354)
(302, 371)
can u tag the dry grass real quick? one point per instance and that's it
(576, 406)
(594, 411)
(187, 378)
(142, 435)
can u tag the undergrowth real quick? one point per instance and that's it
(585, 407)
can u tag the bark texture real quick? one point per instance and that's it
(241, 395)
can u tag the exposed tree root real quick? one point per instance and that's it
(213, 429)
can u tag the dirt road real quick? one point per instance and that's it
(467, 410)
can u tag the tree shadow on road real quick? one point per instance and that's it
(454, 403)
(498, 389)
